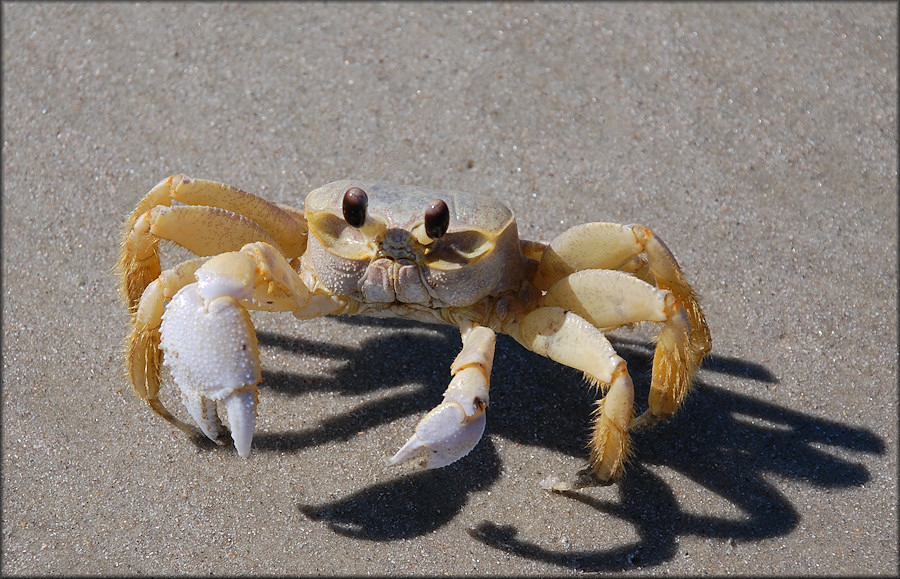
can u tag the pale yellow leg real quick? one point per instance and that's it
(143, 356)
(609, 299)
(283, 224)
(684, 339)
(569, 339)
(674, 365)
(587, 246)
(216, 218)
(668, 275)
(620, 247)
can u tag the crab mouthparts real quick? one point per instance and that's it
(398, 244)
(390, 280)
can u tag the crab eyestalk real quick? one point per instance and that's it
(355, 206)
(437, 220)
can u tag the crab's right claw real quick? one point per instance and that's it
(443, 436)
(211, 349)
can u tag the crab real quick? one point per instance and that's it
(375, 249)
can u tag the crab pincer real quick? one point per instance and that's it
(211, 349)
(452, 429)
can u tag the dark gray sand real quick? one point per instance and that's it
(759, 140)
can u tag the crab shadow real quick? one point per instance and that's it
(735, 443)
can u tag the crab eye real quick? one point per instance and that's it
(355, 204)
(437, 219)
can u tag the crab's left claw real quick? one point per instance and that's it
(452, 429)
(443, 436)
(211, 349)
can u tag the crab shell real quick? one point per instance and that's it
(479, 255)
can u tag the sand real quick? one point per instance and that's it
(759, 140)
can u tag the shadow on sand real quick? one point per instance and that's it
(736, 441)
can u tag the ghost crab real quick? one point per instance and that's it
(399, 251)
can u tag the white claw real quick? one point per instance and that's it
(443, 436)
(453, 428)
(203, 411)
(211, 349)
(241, 409)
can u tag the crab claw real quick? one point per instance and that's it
(443, 436)
(211, 349)
(453, 428)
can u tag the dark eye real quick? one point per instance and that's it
(355, 204)
(437, 219)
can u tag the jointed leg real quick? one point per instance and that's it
(668, 275)
(684, 339)
(675, 362)
(569, 339)
(143, 356)
(215, 218)
(587, 246)
(453, 428)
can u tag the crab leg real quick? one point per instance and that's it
(453, 428)
(569, 339)
(288, 231)
(619, 247)
(214, 219)
(683, 341)
(587, 246)
(609, 299)
(668, 275)
(142, 356)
